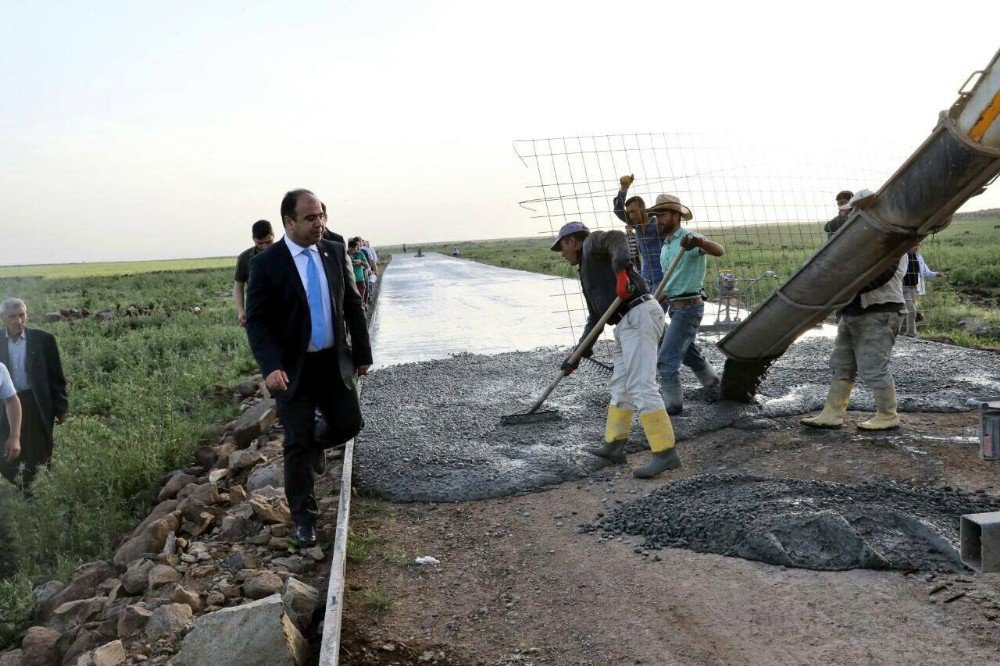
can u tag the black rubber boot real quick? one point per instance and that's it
(612, 451)
(673, 394)
(659, 462)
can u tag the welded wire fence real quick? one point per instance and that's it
(765, 199)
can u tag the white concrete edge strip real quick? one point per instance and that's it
(329, 651)
(329, 654)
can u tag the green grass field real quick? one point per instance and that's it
(99, 269)
(968, 251)
(142, 397)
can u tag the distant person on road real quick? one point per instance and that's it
(32, 357)
(372, 275)
(632, 211)
(308, 333)
(12, 411)
(359, 261)
(866, 333)
(684, 301)
(263, 236)
(605, 273)
(836, 223)
(914, 287)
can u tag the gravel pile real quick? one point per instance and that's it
(801, 523)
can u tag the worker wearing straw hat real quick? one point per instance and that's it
(685, 305)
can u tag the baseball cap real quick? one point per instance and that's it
(568, 229)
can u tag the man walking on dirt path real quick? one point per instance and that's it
(32, 357)
(685, 305)
(605, 272)
(866, 333)
(263, 238)
(836, 223)
(301, 307)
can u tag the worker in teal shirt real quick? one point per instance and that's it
(686, 306)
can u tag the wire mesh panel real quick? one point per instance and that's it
(765, 200)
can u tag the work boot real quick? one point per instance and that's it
(660, 435)
(611, 451)
(659, 462)
(833, 412)
(673, 394)
(615, 435)
(710, 381)
(885, 410)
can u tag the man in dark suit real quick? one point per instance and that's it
(32, 357)
(308, 332)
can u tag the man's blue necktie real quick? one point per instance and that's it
(320, 335)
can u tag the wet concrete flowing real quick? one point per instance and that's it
(801, 523)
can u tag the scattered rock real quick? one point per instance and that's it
(83, 582)
(161, 575)
(75, 613)
(300, 601)
(84, 642)
(254, 422)
(236, 494)
(109, 654)
(169, 619)
(272, 474)
(244, 459)
(314, 553)
(206, 493)
(12, 658)
(133, 619)
(149, 539)
(233, 527)
(217, 475)
(174, 485)
(43, 598)
(136, 578)
(182, 595)
(262, 585)
(40, 647)
(270, 509)
(259, 632)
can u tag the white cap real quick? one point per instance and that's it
(858, 196)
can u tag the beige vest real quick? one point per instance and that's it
(891, 291)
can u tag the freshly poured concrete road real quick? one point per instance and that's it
(433, 430)
(434, 306)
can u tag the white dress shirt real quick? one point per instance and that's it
(17, 352)
(7, 390)
(302, 266)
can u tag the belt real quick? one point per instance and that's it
(634, 302)
(684, 302)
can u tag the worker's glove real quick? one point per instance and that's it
(626, 181)
(624, 287)
(692, 240)
(568, 367)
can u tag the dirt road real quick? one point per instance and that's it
(518, 582)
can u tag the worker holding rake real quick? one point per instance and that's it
(606, 274)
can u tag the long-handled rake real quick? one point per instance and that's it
(534, 415)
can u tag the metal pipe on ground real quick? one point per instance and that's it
(959, 158)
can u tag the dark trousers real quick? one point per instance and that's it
(36, 442)
(320, 387)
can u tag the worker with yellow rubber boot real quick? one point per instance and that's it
(866, 333)
(605, 272)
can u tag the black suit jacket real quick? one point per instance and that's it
(278, 322)
(45, 373)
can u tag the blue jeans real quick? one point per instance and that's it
(678, 344)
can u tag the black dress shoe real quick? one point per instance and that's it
(319, 462)
(305, 535)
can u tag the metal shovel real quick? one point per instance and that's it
(533, 415)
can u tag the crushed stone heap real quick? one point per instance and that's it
(801, 523)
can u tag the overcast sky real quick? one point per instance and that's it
(141, 130)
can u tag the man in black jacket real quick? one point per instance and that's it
(32, 357)
(307, 330)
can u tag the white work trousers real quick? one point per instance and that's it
(637, 338)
